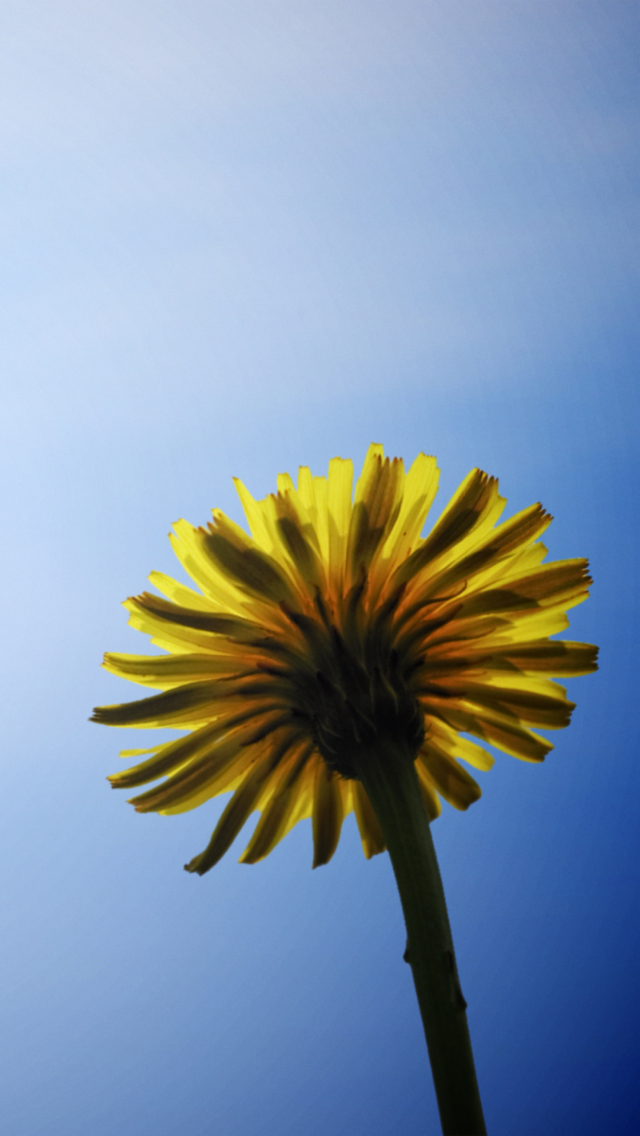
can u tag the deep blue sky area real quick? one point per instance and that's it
(238, 236)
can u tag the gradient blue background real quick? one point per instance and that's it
(238, 236)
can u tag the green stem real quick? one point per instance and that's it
(392, 785)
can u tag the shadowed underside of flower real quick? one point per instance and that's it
(336, 623)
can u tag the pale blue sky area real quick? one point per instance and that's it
(237, 237)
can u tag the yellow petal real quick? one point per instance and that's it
(473, 510)
(233, 818)
(535, 702)
(497, 729)
(150, 613)
(327, 814)
(283, 809)
(251, 569)
(420, 488)
(138, 752)
(429, 792)
(240, 807)
(186, 703)
(450, 741)
(479, 551)
(257, 518)
(199, 779)
(553, 657)
(185, 597)
(188, 544)
(377, 503)
(494, 632)
(339, 487)
(217, 772)
(563, 583)
(168, 758)
(506, 566)
(368, 825)
(450, 779)
(298, 541)
(165, 671)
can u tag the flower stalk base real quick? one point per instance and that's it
(389, 776)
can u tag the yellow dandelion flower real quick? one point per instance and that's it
(336, 661)
(335, 623)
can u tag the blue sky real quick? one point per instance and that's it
(238, 237)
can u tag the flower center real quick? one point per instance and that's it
(356, 697)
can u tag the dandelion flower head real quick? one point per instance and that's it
(336, 623)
